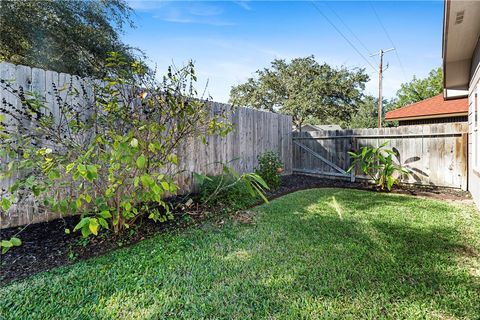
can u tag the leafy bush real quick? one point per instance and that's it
(378, 163)
(270, 168)
(231, 189)
(109, 156)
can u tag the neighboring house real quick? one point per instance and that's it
(431, 110)
(320, 127)
(461, 69)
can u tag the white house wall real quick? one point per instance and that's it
(474, 173)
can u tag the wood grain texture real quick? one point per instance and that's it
(254, 132)
(435, 154)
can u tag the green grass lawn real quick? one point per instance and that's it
(315, 254)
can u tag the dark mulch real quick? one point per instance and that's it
(300, 182)
(46, 245)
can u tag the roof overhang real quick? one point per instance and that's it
(436, 116)
(461, 29)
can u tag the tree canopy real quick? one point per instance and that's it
(304, 89)
(66, 36)
(420, 89)
(366, 115)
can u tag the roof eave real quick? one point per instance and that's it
(436, 116)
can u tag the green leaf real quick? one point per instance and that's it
(85, 231)
(172, 158)
(141, 162)
(6, 244)
(84, 222)
(105, 214)
(69, 167)
(260, 193)
(152, 147)
(93, 226)
(201, 178)
(91, 168)
(136, 181)
(103, 223)
(390, 182)
(259, 180)
(53, 174)
(5, 204)
(165, 185)
(147, 181)
(384, 144)
(156, 189)
(63, 204)
(134, 143)
(82, 169)
(364, 151)
(16, 242)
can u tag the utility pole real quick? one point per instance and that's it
(380, 78)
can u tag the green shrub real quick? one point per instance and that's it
(235, 197)
(111, 157)
(231, 189)
(378, 164)
(270, 168)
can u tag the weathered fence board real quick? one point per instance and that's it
(435, 154)
(254, 132)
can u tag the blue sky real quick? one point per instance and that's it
(230, 40)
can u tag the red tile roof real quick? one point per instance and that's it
(434, 107)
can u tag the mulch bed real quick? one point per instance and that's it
(46, 245)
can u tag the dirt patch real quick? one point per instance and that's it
(244, 217)
(46, 245)
(469, 252)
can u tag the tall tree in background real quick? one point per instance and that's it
(304, 89)
(367, 113)
(66, 36)
(420, 89)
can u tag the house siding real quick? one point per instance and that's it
(474, 87)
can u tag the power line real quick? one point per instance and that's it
(348, 28)
(343, 36)
(389, 38)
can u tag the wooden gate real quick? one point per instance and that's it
(435, 155)
(334, 170)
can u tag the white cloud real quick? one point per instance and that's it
(243, 4)
(207, 13)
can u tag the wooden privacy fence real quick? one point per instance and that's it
(436, 155)
(254, 132)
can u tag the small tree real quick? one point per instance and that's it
(110, 157)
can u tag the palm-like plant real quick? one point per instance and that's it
(378, 164)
